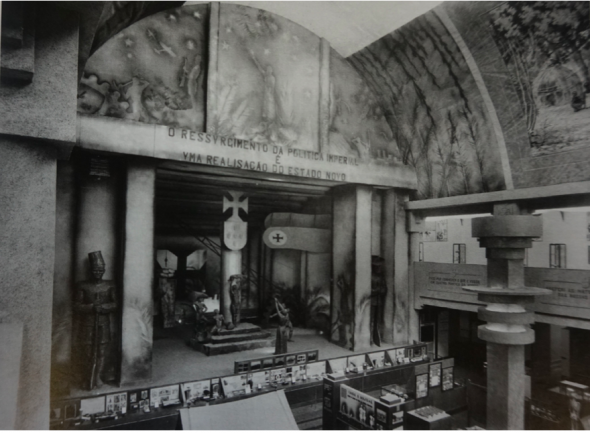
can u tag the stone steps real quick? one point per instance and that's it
(211, 349)
(232, 338)
(242, 328)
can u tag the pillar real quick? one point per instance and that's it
(97, 229)
(97, 217)
(27, 218)
(231, 264)
(138, 272)
(505, 237)
(351, 286)
(63, 274)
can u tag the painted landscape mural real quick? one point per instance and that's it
(434, 108)
(546, 48)
(151, 72)
(267, 79)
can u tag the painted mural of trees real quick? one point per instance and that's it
(545, 45)
(434, 109)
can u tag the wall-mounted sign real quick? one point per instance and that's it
(176, 144)
(299, 238)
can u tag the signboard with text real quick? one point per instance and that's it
(441, 284)
(177, 144)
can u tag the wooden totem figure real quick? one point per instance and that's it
(235, 237)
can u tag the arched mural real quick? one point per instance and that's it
(262, 78)
(512, 116)
(434, 108)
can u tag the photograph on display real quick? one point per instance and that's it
(434, 374)
(316, 370)
(215, 388)
(356, 362)
(299, 373)
(278, 375)
(421, 385)
(165, 396)
(447, 378)
(357, 405)
(91, 406)
(377, 359)
(194, 391)
(116, 403)
(235, 385)
(337, 365)
(259, 380)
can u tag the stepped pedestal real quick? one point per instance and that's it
(245, 336)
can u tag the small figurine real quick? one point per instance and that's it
(201, 322)
(218, 322)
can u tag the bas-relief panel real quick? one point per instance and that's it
(357, 125)
(151, 72)
(434, 108)
(267, 79)
(533, 57)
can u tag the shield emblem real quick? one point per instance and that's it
(235, 234)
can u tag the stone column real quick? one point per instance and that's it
(505, 237)
(138, 272)
(351, 287)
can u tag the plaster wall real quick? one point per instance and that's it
(46, 108)
(459, 232)
(559, 227)
(27, 218)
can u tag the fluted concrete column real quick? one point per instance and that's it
(138, 272)
(505, 236)
(351, 287)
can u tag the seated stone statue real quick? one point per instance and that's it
(95, 307)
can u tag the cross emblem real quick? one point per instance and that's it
(277, 237)
(235, 204)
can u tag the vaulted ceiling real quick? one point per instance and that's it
(348, 25)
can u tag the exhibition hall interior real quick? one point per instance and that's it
(295, 215)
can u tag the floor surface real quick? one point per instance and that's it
(174, 361)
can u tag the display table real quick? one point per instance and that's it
(427, 418)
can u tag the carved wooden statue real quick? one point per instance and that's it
(285, 329)
(96, 305)
(235, 293)
(378, 292)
